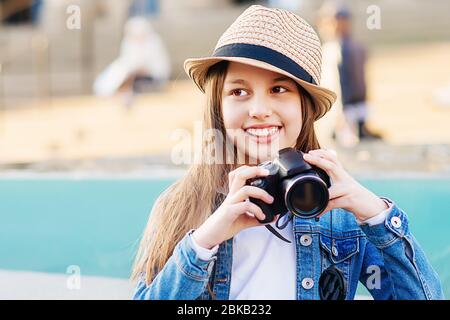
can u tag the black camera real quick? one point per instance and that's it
(295, 185)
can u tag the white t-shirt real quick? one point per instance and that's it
(263, 265)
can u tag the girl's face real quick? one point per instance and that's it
(261, 111)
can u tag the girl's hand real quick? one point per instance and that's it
(345, 191)
(236, 212)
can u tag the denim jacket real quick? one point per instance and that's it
(385, 257)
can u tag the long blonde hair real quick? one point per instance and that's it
(187, 203)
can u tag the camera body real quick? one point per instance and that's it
(295, 185)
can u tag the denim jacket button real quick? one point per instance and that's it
(396, 222)
(307, 283)
(335, 252)
(305, 240)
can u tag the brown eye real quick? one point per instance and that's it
(238, 92)
(279, 89)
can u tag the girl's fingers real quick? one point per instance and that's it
(248, 222)
(241, 208)
(330, 155)
(336, 191)
(248, 191)
(238, 178)
(331, 168)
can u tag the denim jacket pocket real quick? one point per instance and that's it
(339, 252)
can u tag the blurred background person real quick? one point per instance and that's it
(353, 76)
(17, 11)
(144, 8)
(142, 66)
(333, 126)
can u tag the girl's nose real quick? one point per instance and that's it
(260, 108)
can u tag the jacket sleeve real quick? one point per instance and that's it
(395, 266)
(184, 276)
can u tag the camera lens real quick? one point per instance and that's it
(305, 195)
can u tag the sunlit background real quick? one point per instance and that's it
(82, 158)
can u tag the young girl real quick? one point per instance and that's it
(204, 240)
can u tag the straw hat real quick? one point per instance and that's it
(272, 39)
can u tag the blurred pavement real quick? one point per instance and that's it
(21, 285)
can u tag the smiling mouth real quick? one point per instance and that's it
(264, 135)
